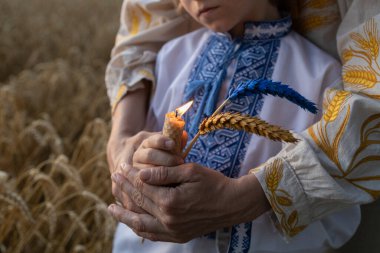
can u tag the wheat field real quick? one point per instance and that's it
(54, 125)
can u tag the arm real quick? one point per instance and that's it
(335, 164)
(144, 27)
(126, 135)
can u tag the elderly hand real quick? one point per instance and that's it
(126, 136)
(120, 152)
(202, 201)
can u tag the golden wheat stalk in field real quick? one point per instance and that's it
(54, 116)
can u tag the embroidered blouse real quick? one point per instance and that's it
(205, 66)
(341, 148)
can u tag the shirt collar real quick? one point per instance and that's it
(267, 30)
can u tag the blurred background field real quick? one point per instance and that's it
(54, 124)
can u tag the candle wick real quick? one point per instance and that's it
(176, 113)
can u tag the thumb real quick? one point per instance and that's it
(162, 176)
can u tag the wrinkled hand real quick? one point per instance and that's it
(202, 201)
(120, 150)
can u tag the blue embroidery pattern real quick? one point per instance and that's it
(255, 55)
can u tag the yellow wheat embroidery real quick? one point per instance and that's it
(146, 15)
(364, 47)
(335, 106)
(373, 37)
(147, 74)
(347, 55)
(273, 175)
(314, 21)
(319, 4)
(359, 76)
(321, 138)
(279, 198)
(369, 42)
(134, 22)
(368, 139)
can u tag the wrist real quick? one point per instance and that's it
(249, 199)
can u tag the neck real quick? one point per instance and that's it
(264, 12)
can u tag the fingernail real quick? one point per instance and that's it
(169, 144)
(145, 175)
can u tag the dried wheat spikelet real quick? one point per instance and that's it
(237, 121)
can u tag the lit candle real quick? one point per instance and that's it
(174, 124)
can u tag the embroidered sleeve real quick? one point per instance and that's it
(336, 163)
(144, 27)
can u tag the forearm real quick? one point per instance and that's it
(128, 119)
(333, 166)
(130, 113)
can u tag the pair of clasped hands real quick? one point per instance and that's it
(161, 198)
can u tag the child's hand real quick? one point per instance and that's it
(157, 150)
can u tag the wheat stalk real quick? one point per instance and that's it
(254, 125)
(15, 200)
(43, 113)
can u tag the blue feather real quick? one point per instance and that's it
(264, 86)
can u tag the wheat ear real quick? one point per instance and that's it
(191, 144)
(237, 121)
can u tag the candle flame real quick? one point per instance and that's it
(182, 109)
